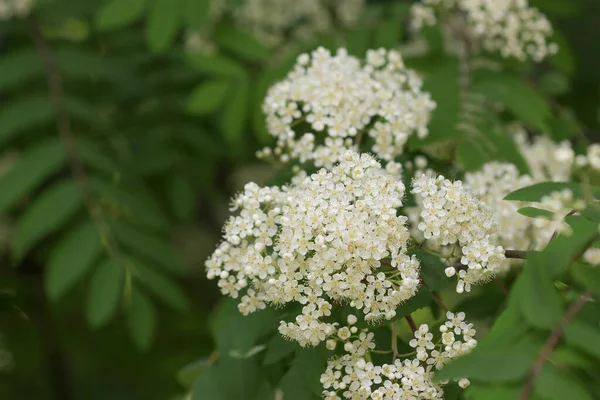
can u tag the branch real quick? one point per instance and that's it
(63, 123)
(555, 234)
(67, 137)
(517, 254)
(438, 301)
(552, 342)
(411, 322)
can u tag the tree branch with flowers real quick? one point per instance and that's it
(366, 232)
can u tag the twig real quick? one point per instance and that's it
(411, 322)
(212, 358)
(555, 234)
(518, 254)
(394, 340)
(552, 342)
(438, 301)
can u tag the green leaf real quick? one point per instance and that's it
(182, 197)
(510, 326)
(104, 294)
(441, 80)
(149, 247)
(132, 201)
(117, 13)
(72, 258)
(94, 158)
(554, 83)
(161, 286)
(487, 366)
(207, 386)
(233, 118)
(533, 212)
(207, 97)
(564, 125)
(470, 155)
(311, 363)
(420, 300)
(564, 60)
(163, 23)
(53, 208)
(489, 142)
(542, 306)
(29, 171)
(19, 67)
(536, 192)
(561, 251)
(215, 65)
(584, 337)
(554, 384)
(587, 276)
(432, 271)
(77, 62)
(494, 392)
(20, 115)
(241, 44)
(141, 320)
(228, 322)
(197, 13)
(278, 348)
(524, 102)
(486, 303)
(188, 374)
(564, 357)
(294, 387)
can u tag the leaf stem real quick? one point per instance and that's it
(394, 340)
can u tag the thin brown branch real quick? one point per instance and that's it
(517, 254)
(411, 322)
(552, 342)
(555, 234)
(212, 358)
(65, 131)
(438, 301)
(63, 123)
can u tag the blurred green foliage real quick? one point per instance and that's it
(107, 222)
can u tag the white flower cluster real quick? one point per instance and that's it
(329, 102)
(547, 160)
(491, 184)
(510, 27)
(592, 256)
(450, 214)
(276, 21)
(593, 156)
(352, 376)
(15, 9)
(560, 203)
(324, 238)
